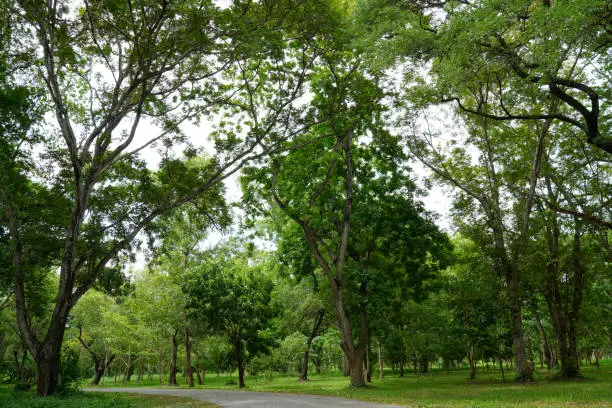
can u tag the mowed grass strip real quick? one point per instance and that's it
(442, 389)
(11, 399)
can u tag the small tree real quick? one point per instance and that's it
(232, 294)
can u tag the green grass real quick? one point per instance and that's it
(11, 399)
(442, 389)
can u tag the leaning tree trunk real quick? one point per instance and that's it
(544, 347)
(100, 368)
(501, 367)
(313, 333)
(172, 372)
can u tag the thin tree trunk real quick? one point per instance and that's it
(313, 333)
(544, 347)
(173, 354)
(197, 370)
(368, 364)
(471, 356)
(188, 368)
(381, 368)
(501, 367)
(523, 370)
(239, 362)
(564, 314)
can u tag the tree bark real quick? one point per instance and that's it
(313, 333)
(564, 312)
(47, 367)
(129, 370)
(197, 370)
(523, 371)
(471, 358)
(368, 365)
(173, 354)
(239, 362)
(424, 365)
(100, 369)
(188, 368)
(346, 368)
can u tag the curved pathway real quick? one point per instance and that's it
(247, 399)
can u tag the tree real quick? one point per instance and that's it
(232, 294)
(469, 293)
(346, 185)
(302, 314)
(179, 233)
(336, 88)
(158, 301)
(107, 68)
(87, 316)
(544, 61)
(480, 187)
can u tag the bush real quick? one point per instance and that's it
(69, 372)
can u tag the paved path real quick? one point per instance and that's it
(246, 399)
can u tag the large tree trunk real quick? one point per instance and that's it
(188, 368)
(313, 333)
(356, 353)
(48, 366)
(172, 372)
(357, 374)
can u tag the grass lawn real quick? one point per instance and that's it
(10, 399)
(442, 389)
